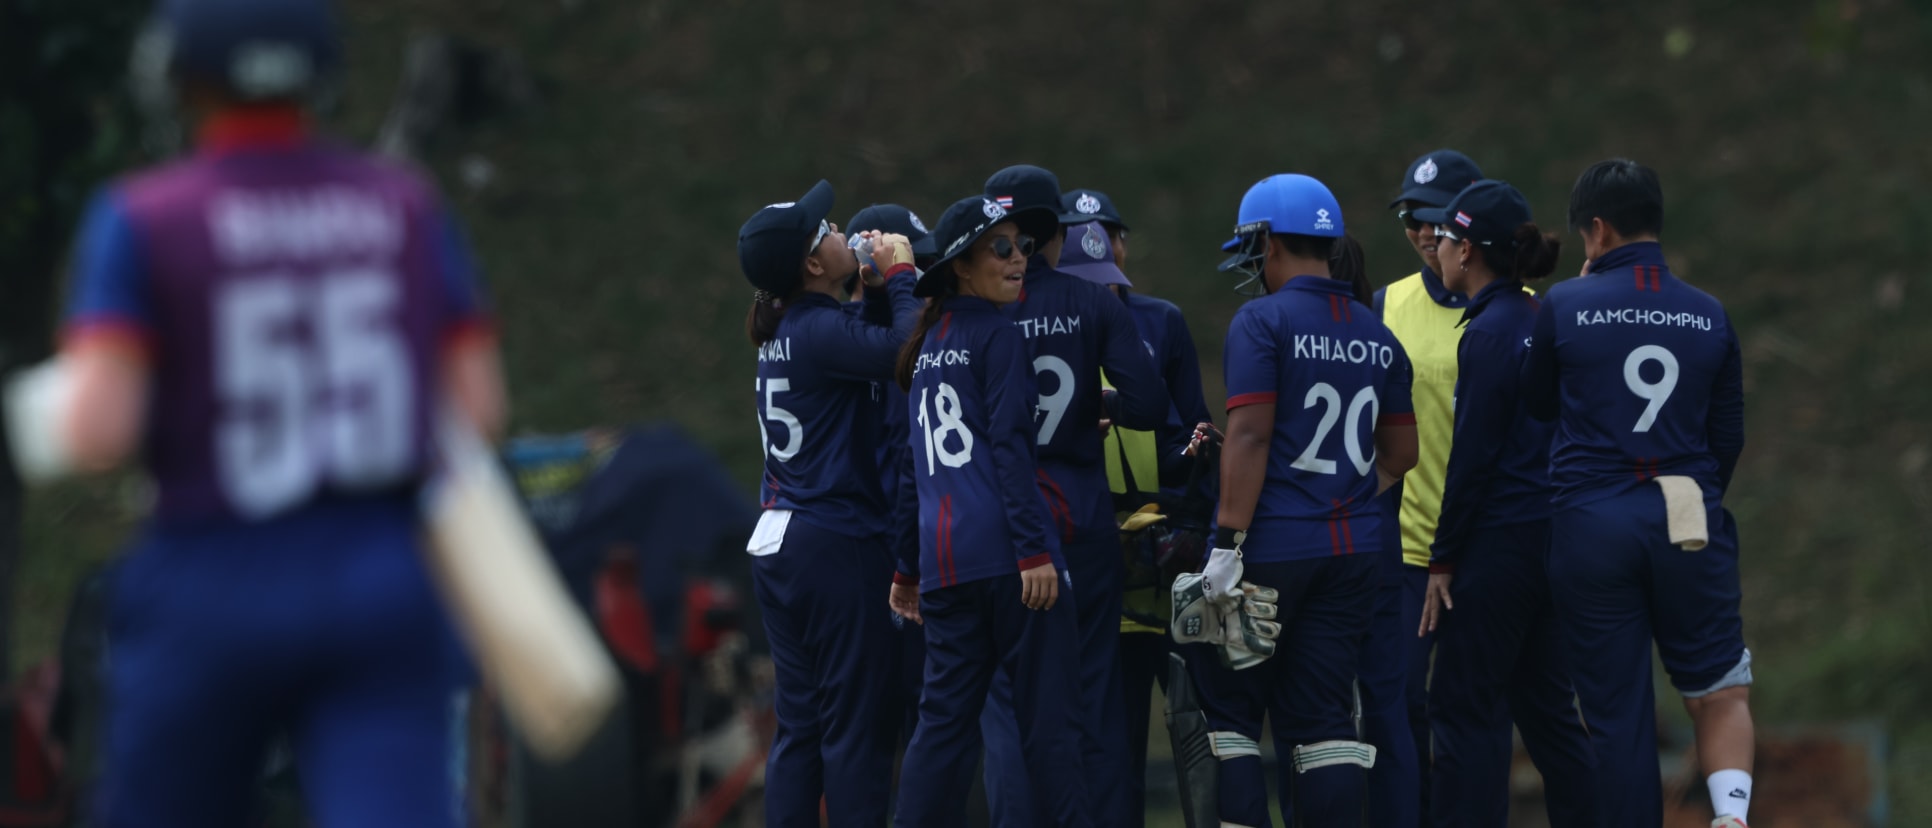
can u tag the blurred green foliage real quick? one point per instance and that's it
(1789, 138)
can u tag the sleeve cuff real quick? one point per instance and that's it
(1036, 560)
(1255, 398)
(1442, 567)
(902, 267)
(1403, 418)
(469, 331)
(902, 579)
(117, 333)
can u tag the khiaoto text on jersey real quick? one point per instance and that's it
(777, 350)
(252, 225)
(1639, 316)
(1048, 326)
(949, 356)
(1330, 349)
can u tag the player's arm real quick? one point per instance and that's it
(104, 356)
(472, 364)
(1724, 431)
(1396, 448)
(1485, 405)
(866, 352)
(1183, 373)
(1139, 399)
(1539, 371)
(1251, 364)
(1010, 400)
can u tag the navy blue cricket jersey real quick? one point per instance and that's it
(822, 387)
(1643, 376)
(1168, 341)
(974, 461)
(1499, 465)
(1074, 329)
(1334, 374)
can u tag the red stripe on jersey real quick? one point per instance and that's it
(1254, 398)
(1334, 536)
(1405, 418)
(945, 323)
(1348, 309)
(1057, 505)
(1348, 531)
(1657, 278)
(1637, 273)
(944, 552)
(1335, 307)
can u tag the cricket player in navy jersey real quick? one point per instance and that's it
(1073, 330)
(1146, 467)
(895, 463)
(1319, 421)
(1423, 314)
(1499, 655)
(820, 550)
(270, 326)
(1641, 373)
(988, 582)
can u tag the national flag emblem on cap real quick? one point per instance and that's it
(1462, 219)
(1004, 201)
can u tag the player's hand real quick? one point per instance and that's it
(1040, 586)
(1223, 572)
(905, 602)
(1205, 434)
(890, 250)
(1435, 602)
(1106, 425)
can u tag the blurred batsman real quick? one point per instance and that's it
(270, 325)
(1319, 422)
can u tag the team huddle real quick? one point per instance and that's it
(1427, 505)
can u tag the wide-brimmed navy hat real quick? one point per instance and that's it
(1486, 212)
(1089, 254)
(892, 218)
(1437, 177)
(962, 224)
(774, 242)
(1091, 205)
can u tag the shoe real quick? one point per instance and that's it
(1729, 822)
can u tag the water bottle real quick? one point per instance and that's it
(863, 247)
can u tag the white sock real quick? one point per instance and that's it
(1730, 793)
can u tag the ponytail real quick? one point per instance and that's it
(935, 308)
(1347, 263)
(761, 322)
(1531, 254)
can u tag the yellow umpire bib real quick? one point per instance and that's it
(1429, 333)
(1135, 455)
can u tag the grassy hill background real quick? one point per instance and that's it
(1789, 137)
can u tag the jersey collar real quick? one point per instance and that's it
(270, 127)
(1441, 293)
(1487, 295)
(1634, 253)
(1319, 284)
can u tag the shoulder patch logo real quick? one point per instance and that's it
(1427, 172)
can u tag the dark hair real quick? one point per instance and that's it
(1622, 192)
(935, 308)
(1530, 256)
(761, 322)
(1346, 262)
(1307, 247)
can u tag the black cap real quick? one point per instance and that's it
(772, 244)
(1032, 195)
(962, 224)
(1486, 212)
(1437, 177)
(892, 218)
(1091, 205)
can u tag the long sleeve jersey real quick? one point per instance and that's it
(981, 513)
(1641, 373)
(1335, 375)
(821, 393)
(1499, 467)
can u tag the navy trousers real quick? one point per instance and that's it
(975, 631)
(1618, 583)
(1143, 663)
(836, 653)
(1098, 709)
(1395, 795)
(1500, 657)
(1306, 691)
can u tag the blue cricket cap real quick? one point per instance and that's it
(1089, 254)
(1091, 205)
(1437, 177)
(893, 218)
(962, 224)
(772, 244)
(1486, 212)
(1032, 195)
(255, 49)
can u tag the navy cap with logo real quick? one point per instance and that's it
(1032, 195)
(1436, 177)
(1091, 205)
(1089, 254)
(962, 224)
(774, 242)
(893, 218)
(1486, 212)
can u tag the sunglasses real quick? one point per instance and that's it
(824, 229)
(1004, 248)
(1409, 220)
(1444, 233)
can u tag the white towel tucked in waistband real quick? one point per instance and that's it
(1684, 509)
(770, 534)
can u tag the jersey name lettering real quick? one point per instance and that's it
(305, 224)
(1049, 326)
(949, 356)
(1639, 316)
(1329, 349)
(777, 350)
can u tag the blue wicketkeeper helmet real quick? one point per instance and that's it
(1289, 203)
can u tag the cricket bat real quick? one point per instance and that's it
(529, 638)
